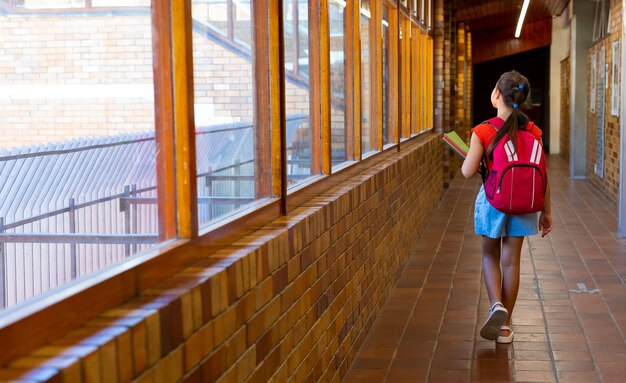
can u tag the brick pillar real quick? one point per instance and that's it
(461, 82)
(438, 68)
(447, 85)
(469, 89)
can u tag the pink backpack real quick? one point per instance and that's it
(517, 182)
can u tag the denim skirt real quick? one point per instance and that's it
(495, 224)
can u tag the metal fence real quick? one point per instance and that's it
(72, 208)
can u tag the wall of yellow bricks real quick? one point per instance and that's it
(290, 303)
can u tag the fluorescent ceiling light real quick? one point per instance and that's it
(522, 15)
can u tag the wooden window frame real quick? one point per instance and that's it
(30, 327)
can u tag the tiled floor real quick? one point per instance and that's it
(428, 329)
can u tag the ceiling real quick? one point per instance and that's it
(483, 15)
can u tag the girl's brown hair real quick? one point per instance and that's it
(514, 89)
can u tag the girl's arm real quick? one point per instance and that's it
(545, 219)
(471, 165)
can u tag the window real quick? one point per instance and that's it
(339, 133)
(405, 76)
(369, 131)
(416, 81)
(242, 28)
(428, 83)
(69, 4)
(78, 175)
(213, 13)
(232, 148)
(387, 132)
(302, 27)
(116, 3)
(300, 136)
(47, 4)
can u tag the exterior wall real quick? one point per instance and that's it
(609, 183)
(65, 77)
(290, 303)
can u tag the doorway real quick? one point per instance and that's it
(535, 65)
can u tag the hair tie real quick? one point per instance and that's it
(521, 86)
(515, 106)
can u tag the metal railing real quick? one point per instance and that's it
(69, 209)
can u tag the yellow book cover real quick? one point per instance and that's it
(456, 143)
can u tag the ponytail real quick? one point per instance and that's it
(514, 88)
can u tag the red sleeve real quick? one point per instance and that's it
(485, 133)
(536, 131)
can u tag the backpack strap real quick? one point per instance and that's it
(484, 172)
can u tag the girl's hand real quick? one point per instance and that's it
(545, 224)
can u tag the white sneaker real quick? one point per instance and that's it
(491, 327)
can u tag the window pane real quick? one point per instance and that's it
(299, 132)
(44, 4)
(226, 126)
(242, 28)
(406, 77)
(116, 3)
(386, 63)
(367, 138)
(213, 13)
(336, 13)
(423, 86)
(303, 38)
(290, 34)
(78, 181)
(416, 81)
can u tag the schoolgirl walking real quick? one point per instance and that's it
(518, 187)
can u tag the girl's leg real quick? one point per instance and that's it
(491, 267)
(511, 253)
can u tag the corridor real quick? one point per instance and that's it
(570, 317)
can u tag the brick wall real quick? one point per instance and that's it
(290, 303)
(52, 65)
(74, 76)
(609, 183)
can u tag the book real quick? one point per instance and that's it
(456, 143)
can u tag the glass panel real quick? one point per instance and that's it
(242, 28)
(367, 138)
(116, 3)
(406, 77)
(211, 12)
(336, 15)
(416, 81)
(386, 63)
(303, 38)
(424, 87)
(290, 34)
(299, 132)
(226, 126)
(78, 177)
(50, 4)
